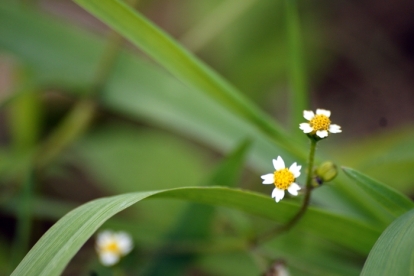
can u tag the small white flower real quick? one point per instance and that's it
(111, 246)
(278, 268)
(319, 124)
(283, 179)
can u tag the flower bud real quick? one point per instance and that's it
(326, 172)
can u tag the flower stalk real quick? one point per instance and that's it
(305, 203)
(318, 128)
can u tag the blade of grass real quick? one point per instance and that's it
(183, 64)
(391, 200)
(54, 250)
(24, 221)
(297, 75)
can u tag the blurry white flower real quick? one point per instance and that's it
(319, 124)
(283, 179)
(278, 268)
(111, 246)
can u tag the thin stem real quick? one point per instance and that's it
(305, 203)
(72, 126)
(310, 164)
(24, 220)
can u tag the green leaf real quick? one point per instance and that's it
(24, 218)
(183, 64)
(388, 156)
(299, 94)
(54, 250)
(392, 200)
(393, 253)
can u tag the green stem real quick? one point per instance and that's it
(24, 221)
(305, 203)
(106, 63)
(310, 164)
(73, 125)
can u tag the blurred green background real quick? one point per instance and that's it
(149, 131)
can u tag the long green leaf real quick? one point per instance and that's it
(393, 253)
(299, 94)
(54, 250)
(24, 220)
(182, 64)
(388, 156)
(392, 200)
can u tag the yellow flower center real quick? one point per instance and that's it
(112, 247)
(283, 179)
(320, 122)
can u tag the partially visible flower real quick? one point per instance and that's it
(319, 124)
(111, 246)
(278, 268)
(283, 179)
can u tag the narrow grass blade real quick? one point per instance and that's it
(297, 75)
(182, 64)
(24, 216)
(54, 250)
(392, 200)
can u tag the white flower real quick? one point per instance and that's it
(111, 246)
(278, 268)
(283, 179)
(319, 124)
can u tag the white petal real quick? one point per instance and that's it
(306, 127)
(278, 194)
(308, 114)
(322, 133)
(325, 112)
(335, 129)
(278, 163)
(295, 169)
(125, 243)
(108, 258)
(293, 189)
(104, 238)
(280, 270)
(268, 178)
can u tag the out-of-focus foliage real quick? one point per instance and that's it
(161, 118)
